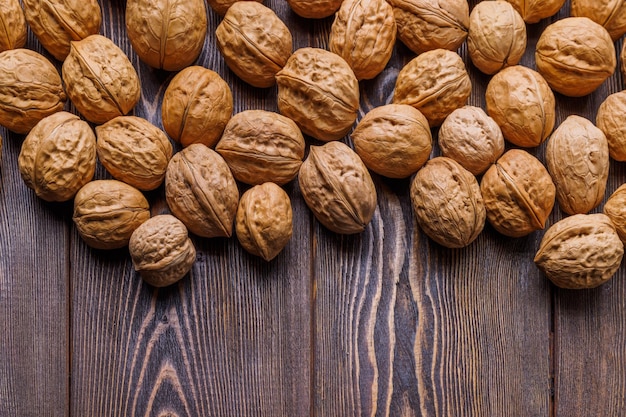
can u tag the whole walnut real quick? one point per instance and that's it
(107, 212)
(447, 203)
(58, 156)
(30, 89)
(364, 34)
(314, 9)
(58, 22)
(609, 120)
(522, 104)
(196, 106)
(609, 13)
(166, 34)
(580, 251)
(100, 80)
(221, 6)
(575, 55)
(12, 16)
(393, 140)
(435, 82)
(518, 194)
(532, 11)
(615, 209)
(317, 89)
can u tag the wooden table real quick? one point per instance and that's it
(381, 323)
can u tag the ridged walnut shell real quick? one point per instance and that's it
(166, 34)
(609, 13)
(609, 119)
(337, 187)
(577, 158)
(161, 250)
(200, 190)
(314, 9)
(196, 106)
(261, 146)
(575, 55)
(107, 212)
(58, 22)
(134, 151)
(264, 222)
(364, 34)
(615, 209)
(580, 251)
(318, 90)
(58, 156)
(518, 194)
(100, 80)
(532, 11)
(221, 6)
(30, 89)
(447, 203)
(12, 16)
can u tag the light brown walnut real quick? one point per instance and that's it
(615, 209)
(533, 11)
(609, 119)
(12, 16)
(314, 9)
(221, 6)
(609, 13)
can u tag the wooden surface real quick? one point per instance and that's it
(384, 323)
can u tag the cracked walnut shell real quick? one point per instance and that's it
(12, 16)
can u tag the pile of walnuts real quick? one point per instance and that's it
(474, 181)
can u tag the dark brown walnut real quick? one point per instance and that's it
(58, 22)
(135, 151)
(30, 89)
(447, 203)
(609, 119)
(338, 188)
(532, 11)
(393, 140)
(575, 55)
(318, 90)
(100, 80)
(161, 250)
(58, 156)
(107, 212)
(580, 251)
(364, 34)
(609, 13)
(200, 190)
(221, 6)
(518, 194)
(12, 25)
(166, 34)
(615, 209)
(196, 106)
(262, 146)
(436, 83)
(264, 222)
(314, 9)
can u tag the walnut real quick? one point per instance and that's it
(314, 9)
(221, 6)
(609, 120)
(611, 14)
(12, 16)
(532, 11)
(615, 209)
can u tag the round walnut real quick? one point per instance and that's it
(135, 151)
(435, 82)
(522, 104)
(393, 140)
(609, 13)
(100, 80)
(221, 6)
(609, 119)
(615, 209)
(12, 16)
(337, 187)
(107, 212)
(201, 191)
(447, 203)
(518, 194)
(261, 146)
(318, 90)
(580, 251)
(532, 11)
(196, 106)
(30, 89)
(161, 250)
(264, 222)
(314, 9)
(575, 55)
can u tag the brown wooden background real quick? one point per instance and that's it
(385, 323)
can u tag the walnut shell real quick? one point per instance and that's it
(221, 6)
(201, 191)
(196, 106)
(364, 34)
(609, 13)
(261, 146)
(30, 89)
(580, 251)
(135, 151)
(318, 90)
(12, 16)
(447, 203)
(609, 119)
(615, 209)
(522, 104)
(532, 11)
(58, 156)
(622, 61)
(166, 34)
(264, 222)
(393, 140)
(107, 212)
(575, 55)
(100, 80)
(161, 250)
(435, 82)
(337, 187)
(518, 194)
(314, 9)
